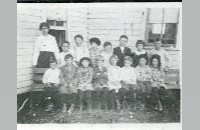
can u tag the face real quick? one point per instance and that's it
(113, 61)
(85, 63)
(123, 42)
(140, 47)
(142, 61)
(99, 63)
(155, 62)
(78, 41)
(127, 63)
(108, 48)
(65, 47)
(45, 30)
(94, 45)
(157, 45)
(68, 61)
(53, 65)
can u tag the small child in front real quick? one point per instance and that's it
(100, 82)
(51, 80)
(129, 88)
(84, 79)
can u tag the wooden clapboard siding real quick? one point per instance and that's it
(28, 21)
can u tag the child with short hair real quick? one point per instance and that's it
(144, 79)
(68, 90)
(51, 80)
(84, 79)
(157, 80)
(114, 81)
(107, 53)
(140, 51)
(129, 88)
(100, 82)
(94, 50)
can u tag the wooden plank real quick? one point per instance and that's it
(26, 38)
(28, 11)
(28, 32)
(23, 89)
(24, 58)
(29, 18)
(24, 65)
(37, 78)
(21, 52)
(39, 70)
(25, 45)
(24, 83)
(24, 71)
(28, 25)
(24, 77)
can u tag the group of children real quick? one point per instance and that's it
(112, 78)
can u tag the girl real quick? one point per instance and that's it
(157, 80)
(94, 50)
(140, 51)
(100, 81)
(107, 53)
(114, 81)
(144, 79)
(45, 48)
(84, 78)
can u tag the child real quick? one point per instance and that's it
(157, 80)
(129, 88)
(80, 51)
(122, 51)
(114, 81)
(84, 77)
(65, 50)
(164, 56)
(107, 53)
(100, 81)
(51, 80)
(94, 50)
(140, 51)
(144, 78)
(69, 88)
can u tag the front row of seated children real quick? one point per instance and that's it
(101, 86)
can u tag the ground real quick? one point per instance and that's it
(171, 113)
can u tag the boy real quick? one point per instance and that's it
(68, 89)
(80, 51)
(165, 59)
(107, 53)
(51, 81)
(129, 85)
(122, 51)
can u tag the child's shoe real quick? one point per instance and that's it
(71, 109)
(81, 107)
(49, 107)
(118, 105)
(64, 108)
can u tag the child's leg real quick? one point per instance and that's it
(98, 97)
(148, 88)
(63, 98)
(81, 96)
(112, 97)
(73, 98)
(105, 97)
(48, 98)
(88, 94)
(143, 94)
(121, 97)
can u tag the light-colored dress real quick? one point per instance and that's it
(129, 75)
(51, 76)
(114, 78)
(143, 73)
(84, 78)
(157, 77)
(106, 57)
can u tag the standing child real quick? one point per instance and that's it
(51, 80)
(114, 81)
(100, 81)
(107, 53)
(84, 78)
(129, 88)
(144, 79)
(68, 89)
(94, 50)
(140, 51)
(157, 80)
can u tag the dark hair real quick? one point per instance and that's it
(123, 36)
(65, 42)
(107, 44)
(128, 58)
(96, 40)
(68, 56)
(140, 42)
(155, 56)
(80, 36)
(84, 58)
(143, 56)
(44, 24)
(52, 60)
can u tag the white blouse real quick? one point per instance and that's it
(51, 76)
(45, 43)
(129, 75)
(80, 52)
(106, 57)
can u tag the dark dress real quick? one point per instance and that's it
(121, 55)
(43, 59)
(136, 58)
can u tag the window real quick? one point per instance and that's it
(162, 24)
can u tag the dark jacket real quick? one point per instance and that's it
(121, 55)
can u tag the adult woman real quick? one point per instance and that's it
(45, 48)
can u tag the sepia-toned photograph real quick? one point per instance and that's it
(98, 63)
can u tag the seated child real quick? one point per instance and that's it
(100, 82)
(140, 51)
(68, 90)
(129, 88)
(144, 79)
(107, 53)
(51, 80)
(114, 81)
(84, 79)
(157, 80)
(94, 50)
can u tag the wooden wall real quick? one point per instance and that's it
(28, 21)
